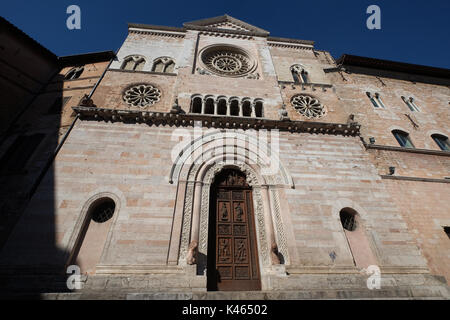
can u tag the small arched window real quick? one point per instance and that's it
(234, 108)
(246, 109)
(299, 74)
(403, 138)
(375, 99)
(259, 112)
(133, 63)
(209, 106)
(410, 102)
(196, 105)
(222, 107)
(441, 141)
(163, 65)
(74, 73)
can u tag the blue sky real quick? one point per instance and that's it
(411, 31)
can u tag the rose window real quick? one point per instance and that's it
(308, 106)
(227, 61)
(142, 95)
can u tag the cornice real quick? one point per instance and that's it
(186, 120)
(405, 178)
(157, 33)
(408, 150)
(217, 33)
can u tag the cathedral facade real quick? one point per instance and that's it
(215, 157)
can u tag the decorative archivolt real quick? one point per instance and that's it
(232, 145)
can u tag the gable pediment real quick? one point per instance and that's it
(225, 23)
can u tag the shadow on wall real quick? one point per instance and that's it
(30, 261)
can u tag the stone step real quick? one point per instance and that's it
(427, 292)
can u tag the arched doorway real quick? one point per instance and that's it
(232, 250)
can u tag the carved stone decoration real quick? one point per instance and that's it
(227, 61)
(192, 253)
(176, 107)
(308, 106)
(274, 254)
(87, 102)
(204, 218)
(283, 113)
(279, 227)
(142, 95)
(187, 217)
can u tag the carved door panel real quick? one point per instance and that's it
(236, 258)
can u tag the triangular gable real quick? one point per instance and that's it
(226, 22)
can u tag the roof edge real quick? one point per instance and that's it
(86, 58)
(374, 63)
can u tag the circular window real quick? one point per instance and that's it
(103, 211)
(142, 95)
(227, 61)
(308, 106)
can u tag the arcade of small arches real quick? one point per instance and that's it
(233, 106)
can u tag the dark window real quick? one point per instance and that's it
(75, 73)
(209, 106)
(18, 154)
(447, 231)
(372, 99)
(222, 107)
(197, 105)
(295, 76)
(246, 109)
(259, 113)
(304, 76)
(348, 220)
(403, 139)
(234, 108)
(58, 105)
(103, 211)
(441, 141)
(411, 104)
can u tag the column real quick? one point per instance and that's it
(269, 223)
(252, 107)
(216, 103)
(203, 106)
(228, 107)
(241, 113)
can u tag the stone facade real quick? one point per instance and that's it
(138, 155)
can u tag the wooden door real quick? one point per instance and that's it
(235, 250)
